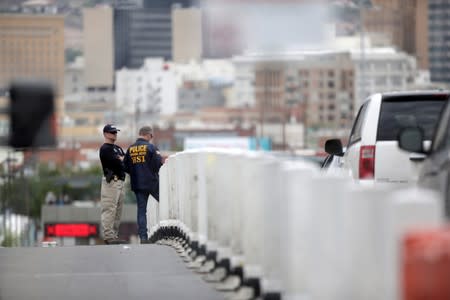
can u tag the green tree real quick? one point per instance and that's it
(10, 240)
(26, 195)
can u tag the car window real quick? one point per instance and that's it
(442, 136)
(395, 115)
(355, 134)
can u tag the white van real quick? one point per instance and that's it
(372, 154)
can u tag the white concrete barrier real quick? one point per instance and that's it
(302, 234)
(164, 196)
(252, 235)
(295, 228)
(191, 205)
(324, 238)
(225, 178)
(202, 215)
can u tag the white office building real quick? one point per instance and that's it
(244, 84)
(74, 82)
(150, 90)
(209, 70)
(384, 69)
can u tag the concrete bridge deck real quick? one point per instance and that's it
(99, 272)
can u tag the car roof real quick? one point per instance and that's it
(402, 94)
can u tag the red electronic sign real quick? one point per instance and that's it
(71, 230)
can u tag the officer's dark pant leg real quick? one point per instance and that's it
(141, 198)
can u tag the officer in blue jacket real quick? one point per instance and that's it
(143, 161)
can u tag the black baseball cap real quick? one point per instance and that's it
(110, 128)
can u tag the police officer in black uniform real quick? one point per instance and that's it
(143, 161)
(112, 191)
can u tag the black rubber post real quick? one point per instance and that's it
(272, 296)
(253, 282)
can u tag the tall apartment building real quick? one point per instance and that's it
(160, 4)
(321, 82)
(439, 40)
(186, 34)
(98, 47)
(422, 35)
(142, 32)
(385, 69)
(403, 22)
(32, 46)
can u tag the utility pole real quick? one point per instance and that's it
(283, 115)
(305, 124)
(362, 6)
(262, 113)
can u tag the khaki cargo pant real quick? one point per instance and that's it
(112, 196)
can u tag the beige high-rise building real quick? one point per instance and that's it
(32, 46)
(422, 34)
(98, 47)
(186, 34)
(404, 23)
(323, 83)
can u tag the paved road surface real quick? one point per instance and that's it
(99, 272)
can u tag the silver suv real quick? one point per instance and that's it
(372, 154)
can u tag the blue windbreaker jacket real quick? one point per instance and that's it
(143, 161)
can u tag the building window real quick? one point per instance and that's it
(380, 81)
(81, 121)
(396, 81)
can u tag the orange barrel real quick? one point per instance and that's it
(426, 264)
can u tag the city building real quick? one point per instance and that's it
(98, 47)
(186, 35)
(168, 4)
(85, 116)
(32, 47)
(385, 69)
(4, 121)
(422, 35)
(244, 84)
(403, 22)
(193, 96)
(207, 83)
(439, 37)
(39, 7)
(322, 82)
(146, 93)
(74, 79)
(128, 3)
(140, 33)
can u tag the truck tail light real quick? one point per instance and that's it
(367, 162)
